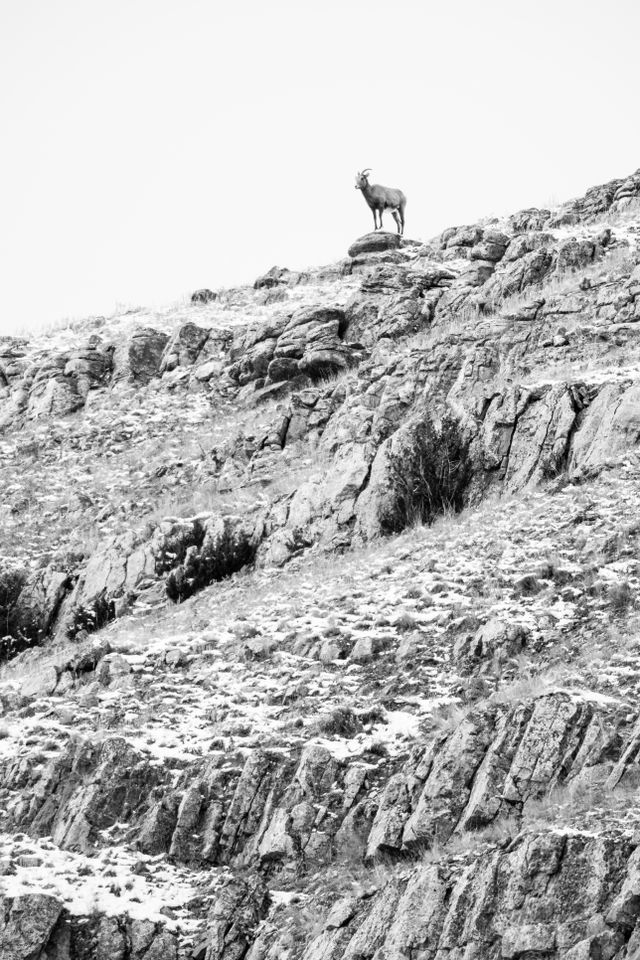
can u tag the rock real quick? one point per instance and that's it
(311, 344)
(175, 657)
(272, 278)
(139, 358)
(527, 899)
(236, 912)
(260, 648)
(27, 924)
(113, 666)
(610, 426)
(365, 649)
(203, 296)
(495, 760)
(184, 347)
(38, 603)
(89, 787)
(375, 243)
(41, 683)
(494, 639)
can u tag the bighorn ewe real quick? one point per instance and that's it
(382, 198)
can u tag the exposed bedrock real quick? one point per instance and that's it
(554, 895)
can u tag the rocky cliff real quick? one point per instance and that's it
(318, 609)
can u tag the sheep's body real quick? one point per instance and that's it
(380, 199)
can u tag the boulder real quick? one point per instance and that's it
(375, 243)
(203, 296)
(184, 347)
(495, 639)
(138, 358)
(26, 924)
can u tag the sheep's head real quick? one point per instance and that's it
(362, 179)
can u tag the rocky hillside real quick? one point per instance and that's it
(319, 609)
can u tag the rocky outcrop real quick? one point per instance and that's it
(303, 347)
(87, 788)
(178, 558)
(233, 919)
(30, 603)
(185, 347)
(37, 925)
(139, 359)
(550, 895)
(494, 763)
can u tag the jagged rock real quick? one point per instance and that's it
(111, 667)
(91, 366)
(238, 909)
(375, 243)
(37, 925)
(31, 615)
(530, 219)
(396, 301)
(203, 296)
(615, 195)
(526, 434)
(89, 787)
(26, 924)
(311, 344)
(492, 763)
(529, 899)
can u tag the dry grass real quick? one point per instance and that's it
(567, 802)
(526, 688)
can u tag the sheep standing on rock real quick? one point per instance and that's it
(382, 198)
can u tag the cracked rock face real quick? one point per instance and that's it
(319, 609)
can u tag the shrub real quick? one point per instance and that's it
(620, 597)
(340, 722)
(431, 475)
(12, 580)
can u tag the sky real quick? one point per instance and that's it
(152, 147)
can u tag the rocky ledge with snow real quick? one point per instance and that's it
(319, 609)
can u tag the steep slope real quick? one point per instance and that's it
(319, 603)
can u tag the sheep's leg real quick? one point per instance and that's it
(375, 219)
(401, 208)
(396, 217)
(380, 218)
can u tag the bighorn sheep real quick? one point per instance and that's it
(382, 198)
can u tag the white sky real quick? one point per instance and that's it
(150, 147)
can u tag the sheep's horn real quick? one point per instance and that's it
(368, 170)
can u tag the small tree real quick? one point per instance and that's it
(431, 475)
